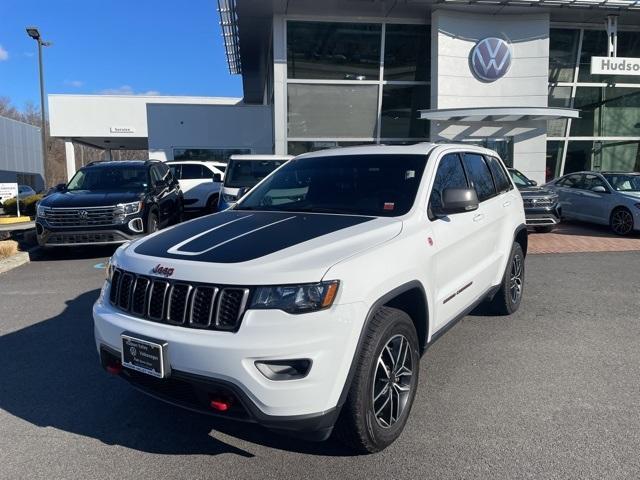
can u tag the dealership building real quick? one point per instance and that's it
(21, 154)
(552, 85)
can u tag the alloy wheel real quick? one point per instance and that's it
(516, 278)
(392, 381)
(621, 222)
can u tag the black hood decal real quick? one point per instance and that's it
(240, 236)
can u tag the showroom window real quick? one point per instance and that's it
(607, 134)
(356, 83)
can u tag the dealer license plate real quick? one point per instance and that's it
(145, 355)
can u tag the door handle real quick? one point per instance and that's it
(478, 217)
(507, 203)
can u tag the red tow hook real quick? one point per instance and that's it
(114, 369)
(220, 405)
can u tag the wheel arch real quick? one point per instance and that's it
(521, 236)
(414, 294)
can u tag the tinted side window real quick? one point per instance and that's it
(450, 174)
(190, 171)
(591, 181)
(499, 175)
(479, 176)
(155, 175)
(175, 170)
(571, 181)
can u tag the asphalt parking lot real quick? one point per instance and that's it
(552, 392)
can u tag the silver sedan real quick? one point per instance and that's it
(606, 198)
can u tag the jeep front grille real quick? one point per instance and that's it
(80, 217)
(179, 303)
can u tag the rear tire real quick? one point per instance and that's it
(384, 384)
(621, 221)
(508, 298)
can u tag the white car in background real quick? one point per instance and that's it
(200, 182)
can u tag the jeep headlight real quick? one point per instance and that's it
(303, 298)
(108, 271)
(128, 208)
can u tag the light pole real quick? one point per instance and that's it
(34, 33)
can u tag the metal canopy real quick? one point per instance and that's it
(498, 114)
(595, 4)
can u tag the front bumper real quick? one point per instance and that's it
(204, 361)
(60, 237)
(542, 217)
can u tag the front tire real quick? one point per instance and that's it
(507, 300)
(384, 384)
(152, 223)
(621, 221)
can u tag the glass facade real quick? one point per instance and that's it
(355, 83)
(607, 134)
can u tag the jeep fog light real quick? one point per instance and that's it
(284, 369)
(296, 298)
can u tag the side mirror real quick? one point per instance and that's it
(242, 191)
(217, 177)
(459, 200)
(599, 189)
(61, 187)
(533, 183)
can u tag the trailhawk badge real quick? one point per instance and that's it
(490, 59)
(161, 270)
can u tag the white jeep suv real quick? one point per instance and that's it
(307, 305)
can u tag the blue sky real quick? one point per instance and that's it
(115, 46)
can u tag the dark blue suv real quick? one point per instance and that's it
(110, 202)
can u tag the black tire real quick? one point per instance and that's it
(152, 223)
(358, 426)
(545, 229)
(621, 221)
(507, 300)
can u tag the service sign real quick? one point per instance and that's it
(7, 191)
(615, 66)
(122, 130)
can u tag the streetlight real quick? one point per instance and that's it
(34, 33)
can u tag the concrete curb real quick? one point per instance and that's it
(14, 261)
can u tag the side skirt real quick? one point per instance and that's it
(488, 295)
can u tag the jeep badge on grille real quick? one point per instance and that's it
(161, 270)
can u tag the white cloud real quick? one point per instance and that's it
(126, 90)
(4, 55)
(29, 54)
(74, 83)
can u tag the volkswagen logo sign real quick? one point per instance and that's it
(83, 214)
(491, 59)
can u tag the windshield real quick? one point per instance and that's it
(623, 183)
(247, 173)
(133, 179)
(376, 185)
(519, 179)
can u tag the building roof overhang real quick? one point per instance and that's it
(498, 114)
